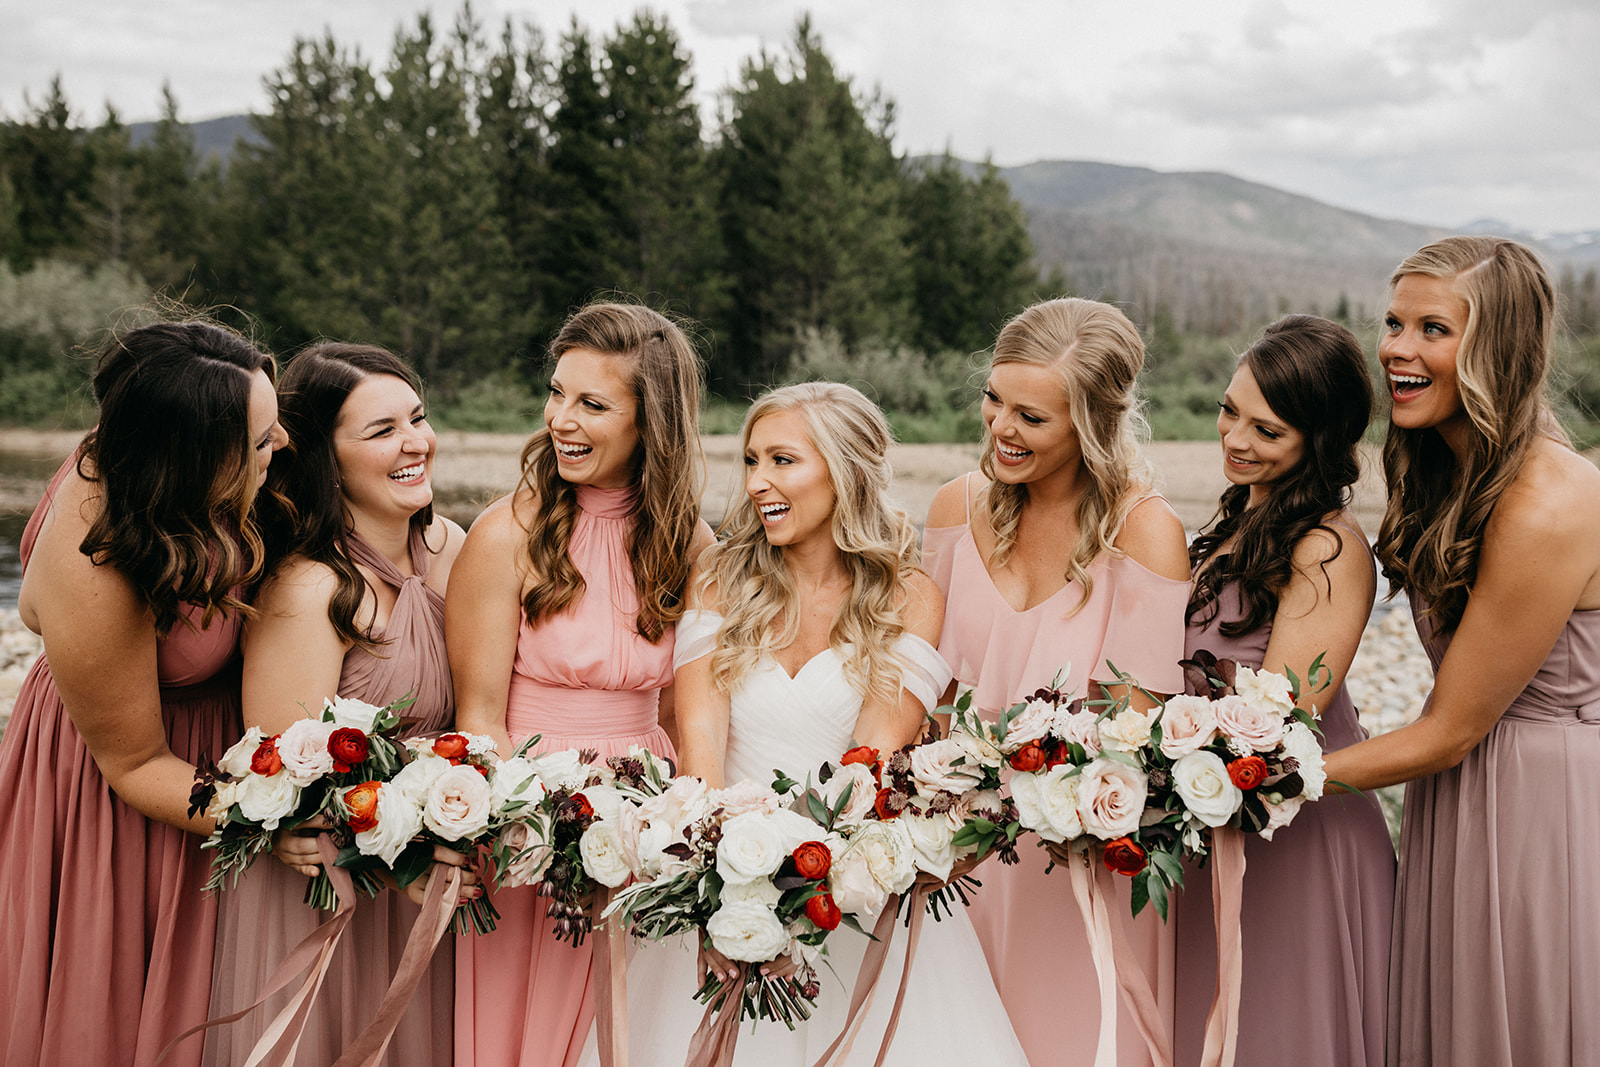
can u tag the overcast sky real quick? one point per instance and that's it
(1439, 111)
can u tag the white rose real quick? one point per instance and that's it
(795, 829)
(1080, 727)
(356, 714)
(1302, 744)
(1128, 730)
(458, 804)
(605, 800)
(528, 854)
(416, 778)
(761, 891)
(854, 888)
(1264, 689)
(1280, 814)
(1202, 782)
(863, 792)
(747, 931)
(515, 779)
(889, 854)
(752, 846)
(1032, 723)
(399, 820)
(267, 799)
(236, 761)
(1255, 726)
(642, 841)
(1188, 724)
(980, 750)
(946, 765)
(1047, 803)
(742, 797)
(562, 770)
(603, 859)
(932, 845)
(1111, 797)
(303, 747)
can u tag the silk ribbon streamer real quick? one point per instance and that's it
(610, 964)
(277, 1042)
(438, 905)
(1117, 968)
(1227, 899)
(714, 1040)
(866, 980)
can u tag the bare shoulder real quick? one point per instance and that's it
(703, 539)
(1340, 537)
(445, 538)
(1152, 535)
(949, 507)
(704, 594)
(1555, 497)
(297, 586)
(922, 606)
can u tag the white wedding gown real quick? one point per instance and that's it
(951, 1015)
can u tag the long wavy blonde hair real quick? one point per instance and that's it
(757, 594)
(1098, 354)
(667, 381)
(1432, 530)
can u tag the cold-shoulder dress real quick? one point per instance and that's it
(1027, 920)
(265, 915)
(105, 931)
(583, 679)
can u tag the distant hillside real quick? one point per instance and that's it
(213, 138)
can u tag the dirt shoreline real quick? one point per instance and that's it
(471, 469)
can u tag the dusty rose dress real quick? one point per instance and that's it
(1497, 915)
(265, 916)
(105, 934)
(584, 679)
(1318, 901)
(1028, 921)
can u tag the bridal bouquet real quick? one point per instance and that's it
(737, 863)
(557, 827)
(925, 808)
(1143, 789)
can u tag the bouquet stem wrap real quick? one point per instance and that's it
(1227, 897)
(311, 956)
(1117, 968)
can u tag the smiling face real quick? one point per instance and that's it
(1030, 423)
(1258, 447)
(384, 447)
(1422, 336)
(266, 435)
(591, 416)
(788, 480)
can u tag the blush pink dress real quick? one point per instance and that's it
(1028, 921)
(1318, 904)
(584, 679)
(105, 933)
(265, 915)
(1497, 929)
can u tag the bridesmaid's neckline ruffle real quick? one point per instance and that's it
(607, 503)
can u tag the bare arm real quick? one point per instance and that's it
(1322, 613)
(888, 725)
(1538, 564)
(293, 655)
(701, 709)
(483, 613)
(100, 641)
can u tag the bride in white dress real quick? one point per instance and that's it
(811, 631)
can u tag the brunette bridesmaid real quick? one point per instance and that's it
(134, 568)
(561, 616)
(1059, 553)
(1283, 575)
(355, 609)
(1490, 529)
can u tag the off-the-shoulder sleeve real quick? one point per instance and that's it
(697, 636)
(926, 673)
(939, 554)
(1145, 628)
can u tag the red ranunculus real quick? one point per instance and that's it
(1248, 772)
(1124, 856)
(265, 760)
(889, 803)
(868, 757)
(362, 803)
(452, 747)
(1030, 757)
(581, 804)
(1057, 754)
(813, 860)
(348, 747)
(823, 911)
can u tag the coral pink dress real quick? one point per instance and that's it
(584, 679)
(1027, 921)
(105, 933)
(1318, 903)
(265, 915)
(1497, 934)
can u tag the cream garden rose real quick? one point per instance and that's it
(458, 806)
(748, 931)
(1111, 798)
(1201, 780)
(1188, 724)
(1047, 803)
(1255, 727)
(303, 747)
